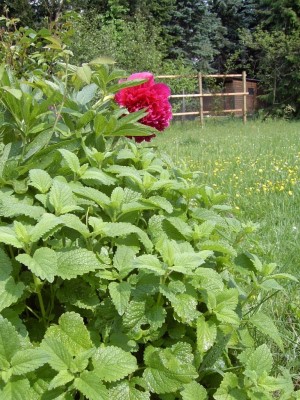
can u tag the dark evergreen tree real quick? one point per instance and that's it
(197, 33)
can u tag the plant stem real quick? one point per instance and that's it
(38, 285)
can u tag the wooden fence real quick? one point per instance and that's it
(201, 94)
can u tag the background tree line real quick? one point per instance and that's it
(180, 36)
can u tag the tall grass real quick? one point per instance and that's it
(258, 166)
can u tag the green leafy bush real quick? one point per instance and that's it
(122, 277)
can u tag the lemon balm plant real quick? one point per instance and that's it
(122, 277)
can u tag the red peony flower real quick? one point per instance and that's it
(151, 96)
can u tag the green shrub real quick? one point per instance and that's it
(122, 277)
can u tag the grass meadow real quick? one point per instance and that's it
(257, 166)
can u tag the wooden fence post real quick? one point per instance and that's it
(201, 99)
(244, 98)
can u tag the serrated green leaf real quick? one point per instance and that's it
(91, 387)
(61, 379)
(159, 202)
(182, 227)
(92, 194)
(99, 176)
(206, 334)
(47, 225)
(28, 360)
(219, 246)
(71, 332)
(149, 262)
(71, 159)
(72, 263)
(112, 363)
(194, 391)
(61, 198)
(115, 229)
(10, 207)
(229, 389)
(10, 342)
(126, 391)
(120, 295)
(59, 357)
(266, 326)
(123, 260)
(74, 222)
(185, 307)
(189, 261)
(10, 292)
(204, 230)
(260, 360)
(43, 263)
(167, 370)
(40, 179)
(16, 390)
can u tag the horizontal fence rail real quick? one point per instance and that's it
(201, 112)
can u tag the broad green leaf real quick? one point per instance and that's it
(194, 391)
(71, 160)
(206, 334)
(183, 228)
(149, 262)
(120, 295)
(40, 179)
(92, 194)
(159, 202)
(91, 387)
(126, 390)
(74, 222)
(10, 207)
(204, 230)
(219, 246)
(260, 360)
(47, 225)
(61, 198)
(10, 342)
(43, 263)
(86, 94)
(115, 229)
(227, 299)
(185, 261)
(28, 360)
(71, 332)
(72, 263)
(10, 292)
(112, 363)
(84, 73)
(229, 389)
(167, 370)
(266, 326)
(185, 307)
(95, 174)
(228, 316)
(123, 260)
(17, 389)
(139, 313)
(59, 357)
(61, 379)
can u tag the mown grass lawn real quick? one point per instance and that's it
(258, 166)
